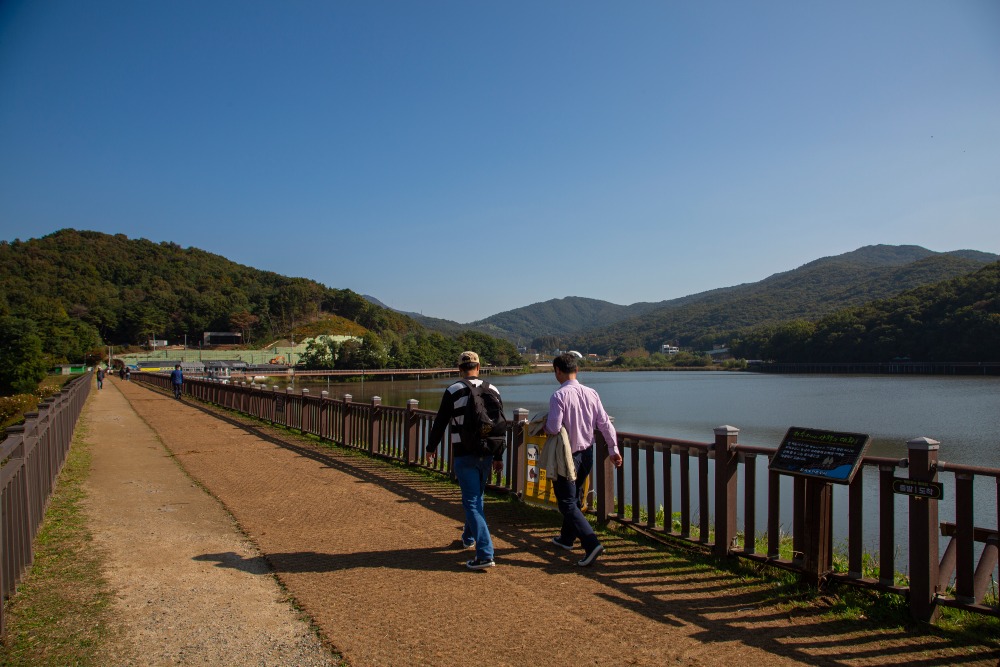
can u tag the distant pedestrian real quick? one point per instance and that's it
(473, 469)
(121, 372)
(128, 374)
(100, 378)
(577, 409)
(177, 380)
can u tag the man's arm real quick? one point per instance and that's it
(607, 429)
(441, 420)
(554, 421)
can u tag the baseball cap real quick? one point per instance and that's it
(468, 358)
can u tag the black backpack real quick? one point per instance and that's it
(484, 426)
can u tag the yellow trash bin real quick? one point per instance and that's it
(537, 488)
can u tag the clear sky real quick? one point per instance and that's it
(462, 158)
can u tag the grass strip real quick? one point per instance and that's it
(61, 613)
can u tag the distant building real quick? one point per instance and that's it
(156, 366)
(667, 348)
(221, 338)
(720, 353)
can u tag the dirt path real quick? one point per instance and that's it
(370, 553)
(190, 589)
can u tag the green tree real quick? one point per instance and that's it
(321, 354)
(22, 363)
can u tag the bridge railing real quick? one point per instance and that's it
(31, 457)
(707, 476)
(709, 510)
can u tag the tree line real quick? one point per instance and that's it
(65, 296)
(953, 320)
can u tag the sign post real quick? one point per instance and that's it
(821, 459)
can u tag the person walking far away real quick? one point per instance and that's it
(471, 468)
(578, 409)
(128, 374)
(100, 378)
(177, 380)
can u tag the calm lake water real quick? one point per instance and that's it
(962, 413)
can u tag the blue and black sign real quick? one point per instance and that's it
(827, 455)
(918, 489)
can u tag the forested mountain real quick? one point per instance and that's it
(808, 292)
(700, 320)
(446, 327)
(952, 320)
(77, 290)
(557, 318)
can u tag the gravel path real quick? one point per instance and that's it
(370, 554)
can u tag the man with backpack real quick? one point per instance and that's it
(473, 410)
(578, 409)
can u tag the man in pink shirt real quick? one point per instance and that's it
(578, 409)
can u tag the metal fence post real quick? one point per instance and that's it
(726, 466)
(604, 476)
(411, 431)
(923, 548)
(516, 455)
(346, 425)
(324, 409)
(375, 425)
(817, 515)
(305, 418)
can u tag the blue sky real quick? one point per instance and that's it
(464, 158)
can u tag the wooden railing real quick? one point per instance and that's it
(707, 475)
(31, 457)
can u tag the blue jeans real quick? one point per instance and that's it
(472, 473)
(568, 497)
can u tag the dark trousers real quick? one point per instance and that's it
(569, 497)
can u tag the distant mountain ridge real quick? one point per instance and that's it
(810, 291)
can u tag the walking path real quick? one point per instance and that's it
(371, 554)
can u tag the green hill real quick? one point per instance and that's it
(808, 292)
(79, 290)
(556, 318)
(129, 290)
(952, 320)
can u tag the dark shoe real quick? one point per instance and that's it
(592, 556)
(559, 543)
(477, 564)
(468, 544)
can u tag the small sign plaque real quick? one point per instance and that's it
(827, 455)
(912, 487)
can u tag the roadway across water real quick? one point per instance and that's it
(370, 552)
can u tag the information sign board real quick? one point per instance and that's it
(827, 455)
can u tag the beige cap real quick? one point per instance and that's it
(468, 358)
